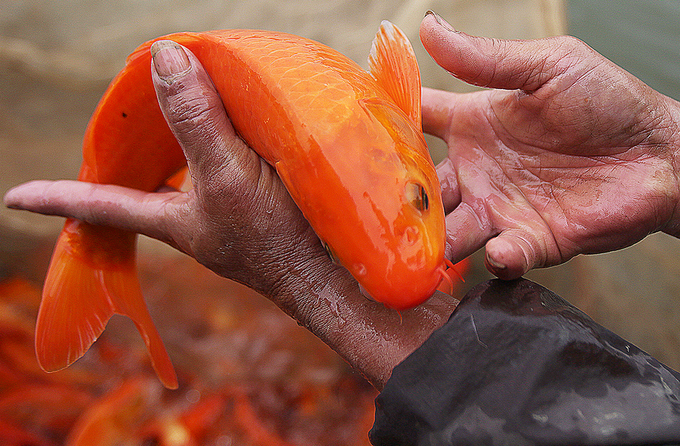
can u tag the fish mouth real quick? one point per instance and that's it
(406, 294)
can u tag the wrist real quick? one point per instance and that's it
(325, 299)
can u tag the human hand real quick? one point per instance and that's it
(240, 221)
(566, 154)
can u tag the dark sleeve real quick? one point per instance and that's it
(516, 364)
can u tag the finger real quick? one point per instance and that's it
(437, 111)
(495, 63)
(512, 253)
(196, 115)
(163, 216)
(448, 182)
(465, 232)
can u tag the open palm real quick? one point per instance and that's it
(566, 154)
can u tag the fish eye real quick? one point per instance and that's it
(417, 196)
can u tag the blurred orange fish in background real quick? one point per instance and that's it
(276, 384)
(334, 130)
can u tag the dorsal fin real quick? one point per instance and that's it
(394, 66)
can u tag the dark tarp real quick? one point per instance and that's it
(516, 364)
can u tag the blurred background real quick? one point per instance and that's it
(56, 59)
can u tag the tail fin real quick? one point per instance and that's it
(92, 275)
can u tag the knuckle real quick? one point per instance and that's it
(233, 178)
(571, 42)
(191, 110)
(573, 47)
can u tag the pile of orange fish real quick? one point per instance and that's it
(248, 374)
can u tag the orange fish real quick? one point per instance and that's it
(347, 144)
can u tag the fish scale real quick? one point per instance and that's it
(300, 81)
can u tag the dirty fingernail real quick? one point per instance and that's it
(495, 264)
(169, 59)
(440, 20)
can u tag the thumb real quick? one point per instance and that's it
(194, 111)
(486, 62)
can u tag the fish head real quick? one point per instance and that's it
(407, 240)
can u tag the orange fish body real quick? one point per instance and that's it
(347, 144)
